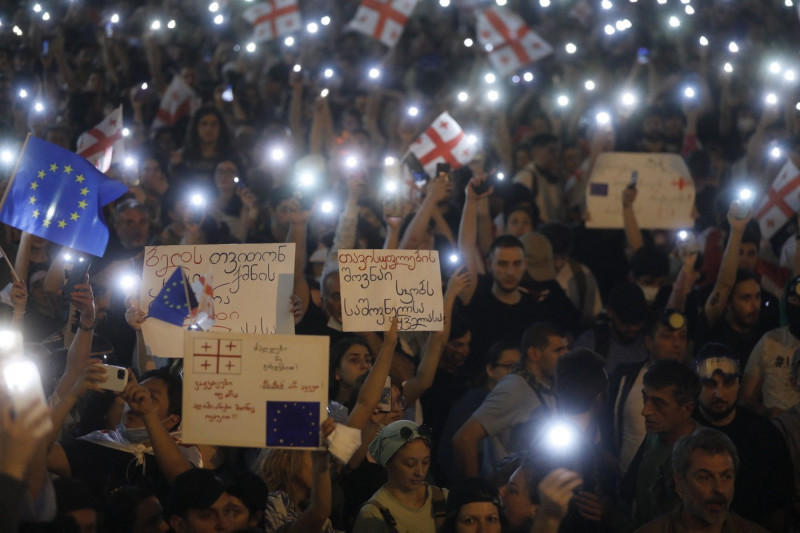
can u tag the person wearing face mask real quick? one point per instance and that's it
(766, 384)
(144, 449)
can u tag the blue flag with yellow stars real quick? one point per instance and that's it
(171, 304)
(293, 424)
(59, 196)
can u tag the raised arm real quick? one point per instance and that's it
(632, 232)
(718, 300)
(468, 234)
(314, 517)
(370, 393)
(438, 189)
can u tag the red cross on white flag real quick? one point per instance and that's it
(382, 19)
(510, 44)
(178, 101)
(444, 142)
(781, 202)
(273, 19)
(103, 144)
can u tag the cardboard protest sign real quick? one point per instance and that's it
(252, 284)
(376, 285)
(254, 390)
(665, 191)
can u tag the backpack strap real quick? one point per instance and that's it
(387, 515)
(438, 505)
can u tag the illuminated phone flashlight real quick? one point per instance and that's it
(413, 111)
(351, 162)
(628, 99)
(324, 93)
(589, 85)
(774, 68)
(562, 100)
(789, 76)
(606, 4)
(213, 7)
(683, 235)
(250, 47)
(38, 107)
(561, 437)
(129, 161)
(6, 156)
(227, 94)
(326, 206)
(277, 154)
(493, 95)
(306, 180)
(155, 25)
(500, 176)
(609, 29)
(527, 77)
(462, 96)
(67, 257)
(20, 375)
(10, 340)
(468, 42)
(374, 73)
(727, 67)
(733, 47)
(703, 40)
(297, 68)
(289, 41)
(114, 18)
(603, 118)
(197, 200)
(325, 20)
(454, 258)
(129, 283)
(741, 206)
(570, 48)
(444, 3)
(171, 24)
(489, 78)
(312, 28)
(327, 73)
(391, 186)
(23, 93)
(689, 93)
(771, 99)
(775, 152)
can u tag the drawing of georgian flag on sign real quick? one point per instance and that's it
(273, 19)
(103, 144)
(510, 44)
(781, 202)
(444, 142)
(382, 19)
(217, 356)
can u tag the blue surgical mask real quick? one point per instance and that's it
(133, 435)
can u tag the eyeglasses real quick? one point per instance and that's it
(422, 432)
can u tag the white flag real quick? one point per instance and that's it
(273, 19)
(383, 20)
(444, 142)
(781, 202)
(510, 44)
(103, 144)
(178, 101)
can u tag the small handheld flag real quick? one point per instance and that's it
(175, 301)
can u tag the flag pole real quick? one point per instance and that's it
(186, 292)
(10, 265)
(14, 174)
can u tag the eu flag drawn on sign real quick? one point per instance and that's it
(293, 424)
(171, 305)
(59, 196)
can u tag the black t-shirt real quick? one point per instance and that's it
(491, 320)
(105, 469)
(765, 480)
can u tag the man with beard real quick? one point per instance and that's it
(704, 466)
(619, 339)
(665, 337)
(763, 483)
(766, 385)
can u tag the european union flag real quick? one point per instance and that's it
(59, 196)
(171, 304)
(293, 424)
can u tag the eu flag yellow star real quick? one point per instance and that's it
(53, 167)
(82, 204)
(35, 213)
(46, 223)
(32, 200)
(84, 191)
(74, 216)
(62, 224)
(41, 173)
(34, 185)
(79, 178)
(68, 169)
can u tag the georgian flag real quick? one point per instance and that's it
(273, 19)
(103, 144)
(383, 20)
(510, 44)
(444, 142)
(781, 202)
(178, 101)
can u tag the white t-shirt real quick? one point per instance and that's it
(409, 520)
(771, 361)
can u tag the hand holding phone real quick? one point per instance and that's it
(116, 378)
(76, 275)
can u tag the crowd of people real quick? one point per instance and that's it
(584, 380)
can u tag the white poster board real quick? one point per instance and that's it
(254, 390)
(252, 283)
(665, 191)
(376, 285)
